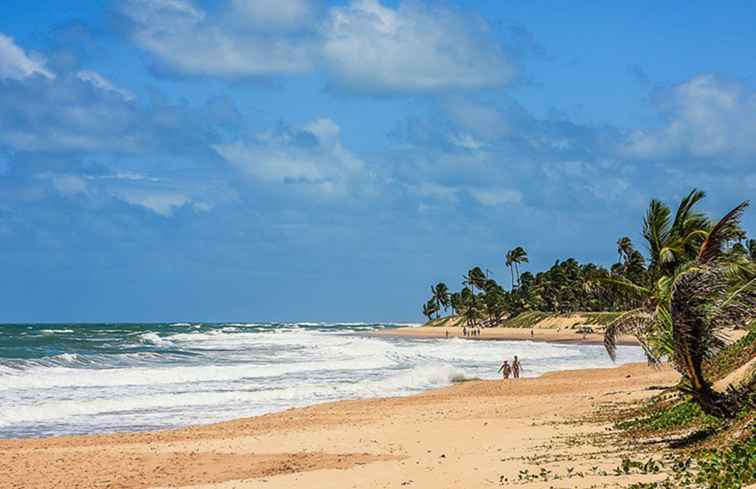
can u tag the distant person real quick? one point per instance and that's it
(531, 331)
(464, 330)
(447, 333)
(516, 367)
(505, 369)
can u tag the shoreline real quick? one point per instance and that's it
(565, 336)
(467, 434)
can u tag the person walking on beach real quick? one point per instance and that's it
(505, 369)
(464, 330)
(516, 367)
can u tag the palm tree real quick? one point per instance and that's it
(441, 294)
(513, 258)
(430, 308)
(624, 249)
(673, 242)
(703, 302)
(475, 278)
(692, 301)
(471, 307)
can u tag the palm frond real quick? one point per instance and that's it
(684, 211)
(720, 233)
(634, 322)
(627, 285)
(656, 227)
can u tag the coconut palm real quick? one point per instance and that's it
(672, 242)
(475, 278)
(471, 307)
(430, 308)
(441, 295)
(624, 249)
(513, 258)
(687, 309)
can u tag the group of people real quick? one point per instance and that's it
(514, 369)
(470, 331)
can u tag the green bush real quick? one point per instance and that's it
(681, 415)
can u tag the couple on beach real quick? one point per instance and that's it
(514, 370)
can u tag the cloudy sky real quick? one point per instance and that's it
(312, 160)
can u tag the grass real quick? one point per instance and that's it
(732, 356)
(531, 318)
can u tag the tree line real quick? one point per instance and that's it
(697, 278)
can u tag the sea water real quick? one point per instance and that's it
(93, 378)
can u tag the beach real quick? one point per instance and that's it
(474, 434)
(550, 335)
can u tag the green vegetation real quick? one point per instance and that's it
(697, 279)
(713, 453)
(670, 416)
(732, 467)
(732, 356)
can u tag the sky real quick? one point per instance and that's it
(305, 160)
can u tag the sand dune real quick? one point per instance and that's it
(554, 335)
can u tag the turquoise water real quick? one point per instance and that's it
(74, 378)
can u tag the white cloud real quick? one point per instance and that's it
(480, 194)
(103, 83)
(161, 203)
(277, 14)
(193, 42)
(363, 46)
(706, 117)
(310, 159)
(17, 64)
(372, 48)
(496, 197)
(437, 191)
(69, 184)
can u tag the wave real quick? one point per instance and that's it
(151, 338)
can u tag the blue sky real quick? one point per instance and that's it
(305, 160)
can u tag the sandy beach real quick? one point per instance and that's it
(475, 434)
(551, 335)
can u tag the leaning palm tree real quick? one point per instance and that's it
(685, 314)
(703, 302)
(672, 241)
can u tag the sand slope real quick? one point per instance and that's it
(476, 434)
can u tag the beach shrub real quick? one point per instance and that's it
(728, 468)
(682, 415)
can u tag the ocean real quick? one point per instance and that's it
(58, 379)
